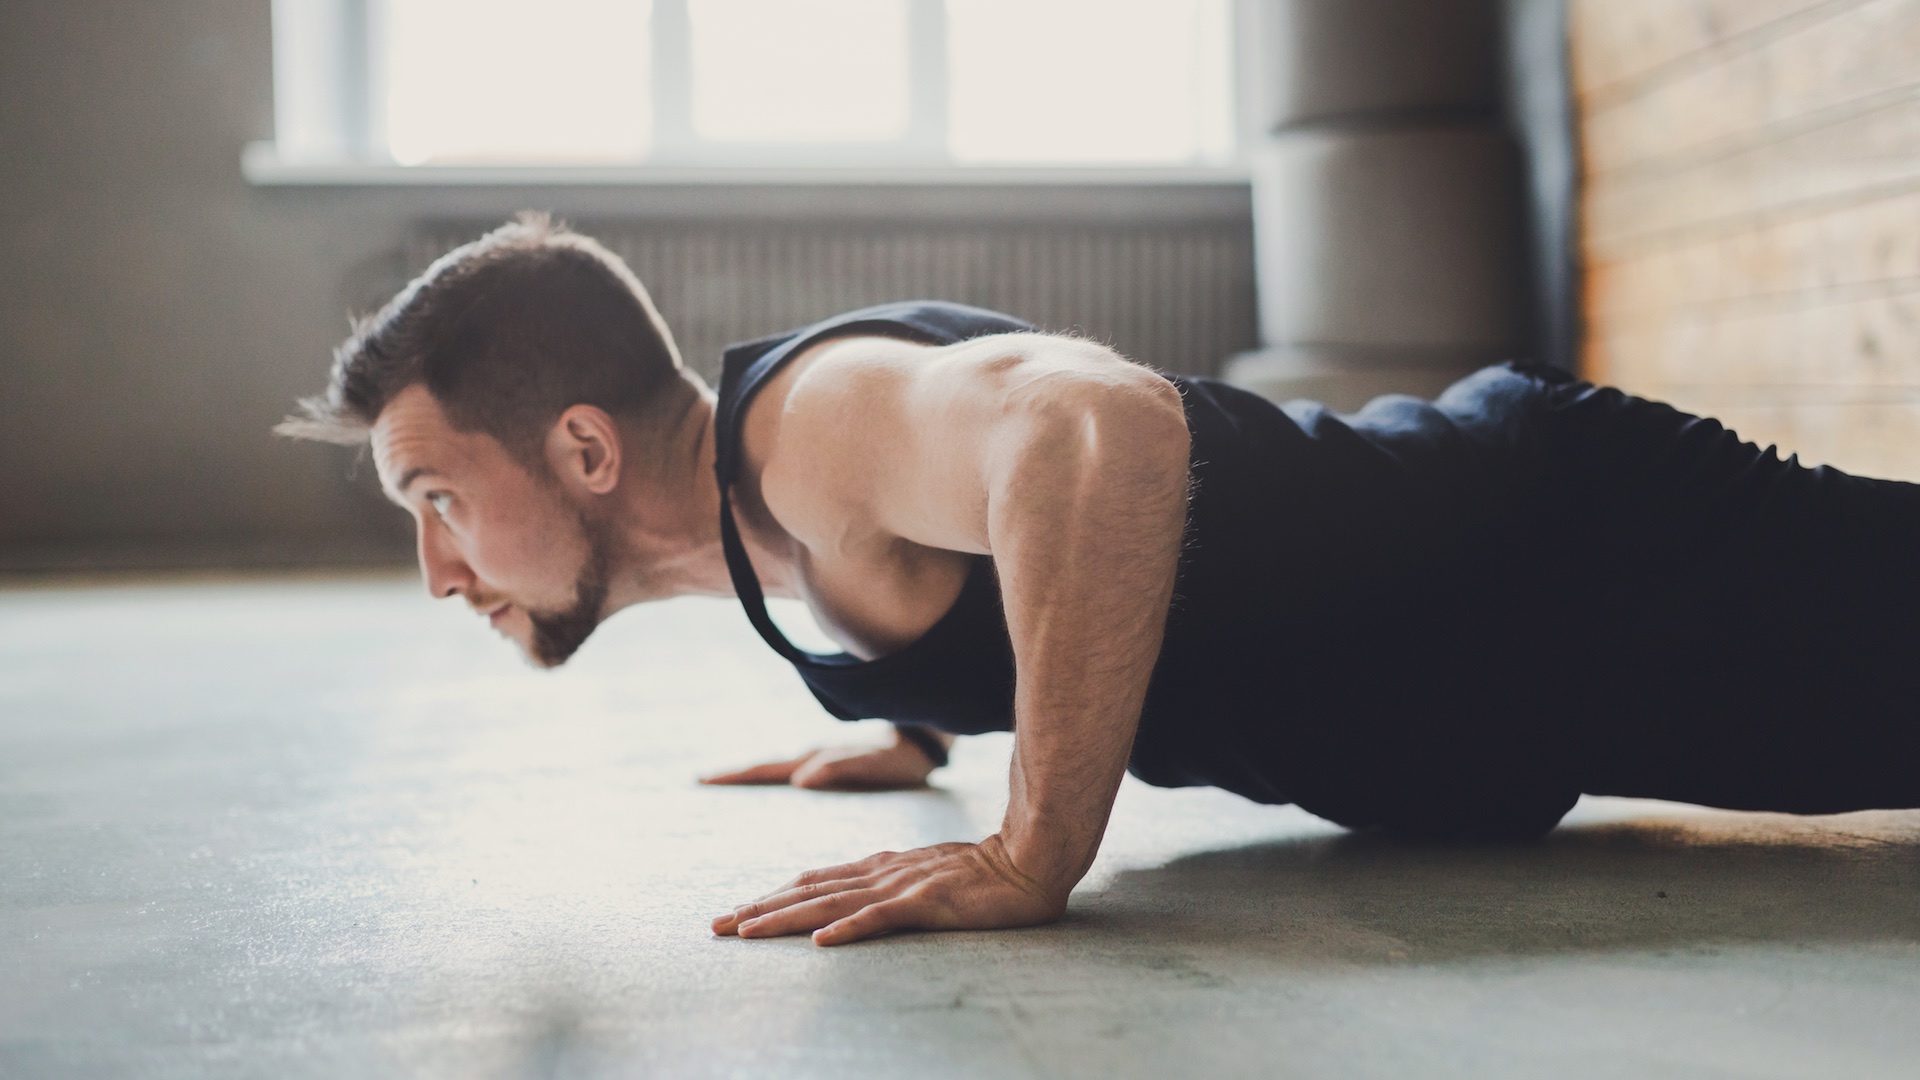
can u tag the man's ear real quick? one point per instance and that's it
(583, 448)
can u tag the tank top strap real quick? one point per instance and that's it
(746, 367)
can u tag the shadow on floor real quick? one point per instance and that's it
(1659, 884)
(1217, 955)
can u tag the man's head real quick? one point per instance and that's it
(503, 392)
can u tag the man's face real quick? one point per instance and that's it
(505, 540)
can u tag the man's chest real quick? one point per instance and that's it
(873, 594)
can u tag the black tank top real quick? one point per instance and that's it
(958, 676)
(1341, 575)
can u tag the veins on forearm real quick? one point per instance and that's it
(1091, 578)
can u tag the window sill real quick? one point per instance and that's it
(262, 166)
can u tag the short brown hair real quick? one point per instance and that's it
(506, 333)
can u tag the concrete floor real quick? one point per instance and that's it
(327, 828)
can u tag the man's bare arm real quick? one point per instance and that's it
(1086, 523)
(1069, 465)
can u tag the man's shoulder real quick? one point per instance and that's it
(857, 372)
(838, 419)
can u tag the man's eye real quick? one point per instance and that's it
(440, 500)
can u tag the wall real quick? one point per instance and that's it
(1389, 205)
(157, 314)
(1752, 216)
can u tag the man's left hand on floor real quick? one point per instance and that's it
(943, 887)
(840, 768)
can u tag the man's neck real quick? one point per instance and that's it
(667, 524)
(666, 528)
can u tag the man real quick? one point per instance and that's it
(1447, 619)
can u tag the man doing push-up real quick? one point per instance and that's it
(1446, 619)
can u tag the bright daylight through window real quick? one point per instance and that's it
(756, 82)
(832, 71)
(506, 80)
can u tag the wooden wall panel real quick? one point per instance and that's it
(1751, 216)
(1624, 41)
(1802, 343)
(1861, 159)
(1846, 59)
(1822, 253)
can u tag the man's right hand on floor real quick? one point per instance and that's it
(845, 768)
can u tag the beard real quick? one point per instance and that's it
(558, 634)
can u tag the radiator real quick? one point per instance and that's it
(1177, 296)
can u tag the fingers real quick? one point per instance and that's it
(808, 886)
(817, 772)
(821, 772)
(852, 768)
(828, 875)
(866, 769)
(773, 772)
(835, 919)
(798, 918)
(871, 921)
(944, 887)
(776, 905)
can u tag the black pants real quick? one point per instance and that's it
(1654, 608)
(1754, 633)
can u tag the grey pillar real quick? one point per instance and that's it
(1389, 210)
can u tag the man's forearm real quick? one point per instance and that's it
(1087, 536)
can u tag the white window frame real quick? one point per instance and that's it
(328, 56)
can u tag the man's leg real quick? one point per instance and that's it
(1756, 639)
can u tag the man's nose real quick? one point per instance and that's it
(446, 573)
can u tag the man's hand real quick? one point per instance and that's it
(844, 768)
(944, 887)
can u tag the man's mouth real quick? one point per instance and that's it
(497, 614)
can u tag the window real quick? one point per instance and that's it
(1088, 80)
(851, 84)
(753, 82)
(489, 81)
